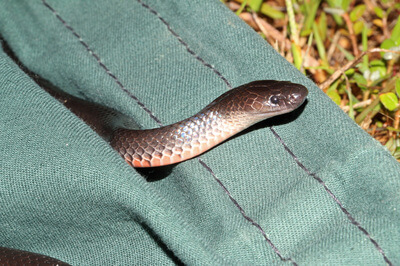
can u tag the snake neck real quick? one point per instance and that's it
(180, 141)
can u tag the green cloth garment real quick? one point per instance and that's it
(307, 188)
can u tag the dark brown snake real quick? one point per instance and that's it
(226, 116)
(16, 257)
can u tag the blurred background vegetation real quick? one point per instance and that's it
(350, 49)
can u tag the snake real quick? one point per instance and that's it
(232, 112)
(10, 256)
(226, 116)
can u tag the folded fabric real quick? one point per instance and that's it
(306, 188)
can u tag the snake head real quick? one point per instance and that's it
(267, 98)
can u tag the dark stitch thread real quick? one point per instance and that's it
(176, 35)
(157, 120)
(201, 161)
(276, 250)
(338, 202)
(102, 64)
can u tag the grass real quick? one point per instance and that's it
(351, 49)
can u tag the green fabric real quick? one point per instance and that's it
(330, 196)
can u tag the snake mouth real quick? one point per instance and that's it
(269, 114)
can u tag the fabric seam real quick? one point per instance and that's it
(102, 65)
(313, 175)
(201, 60)
(142, 105)
(332, 195)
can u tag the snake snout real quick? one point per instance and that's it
(298, 94)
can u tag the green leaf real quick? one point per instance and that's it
(387, 44)
(389, 100)
(377, 66)
(377, 62)
(322, 25)
(358, 27)
(396, 154)
(242, 6)
(396, 32)
(379, 12)
(309, 9)
(349, 71)
(320, 44)
(271, 11)
(392, 129)
(336, 4)
(255, 5)
(334, 95)
(393, 145)
(390, 45)
(297, 58)
(397, 86)
(305, 33)
(360, 80)
(364, 40)
(334, 86)
(357, 12)
(345, 4)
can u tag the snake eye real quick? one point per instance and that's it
(274, 100)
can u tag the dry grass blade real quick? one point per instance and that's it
(270, 31)
(323, 86)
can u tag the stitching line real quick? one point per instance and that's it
(314, 175)
(102, 65)
(190, 51)
(338, 202)
(275, 249)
